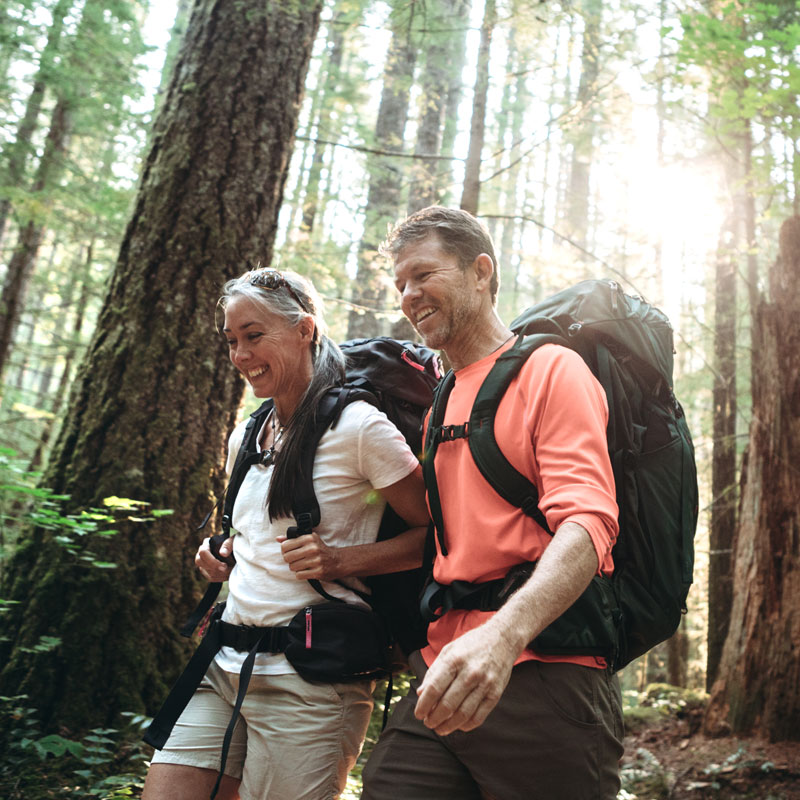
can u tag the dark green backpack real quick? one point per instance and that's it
(627, 344)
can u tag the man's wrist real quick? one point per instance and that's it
(508, 631)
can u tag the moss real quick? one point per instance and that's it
(640, 717)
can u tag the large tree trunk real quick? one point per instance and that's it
(156, 395)
(723, 455)
(758, 688)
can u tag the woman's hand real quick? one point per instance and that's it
(209, 565)
(310, 558)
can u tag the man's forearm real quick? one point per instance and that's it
(563, 572)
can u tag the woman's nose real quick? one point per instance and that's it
(240, 354)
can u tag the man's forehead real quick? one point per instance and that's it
(424, 250)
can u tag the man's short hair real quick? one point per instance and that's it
(459, 234)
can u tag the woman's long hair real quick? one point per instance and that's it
(293, 304)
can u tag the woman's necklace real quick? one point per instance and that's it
(268, 455)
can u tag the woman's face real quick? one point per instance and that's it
(272, 354)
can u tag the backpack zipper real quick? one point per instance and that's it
(308, 628)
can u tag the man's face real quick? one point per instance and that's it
(437, 295)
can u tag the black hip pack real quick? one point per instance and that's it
(337, 642)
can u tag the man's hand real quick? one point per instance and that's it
(310, 558)
(466, 681)
(209, 565)
(470, 674)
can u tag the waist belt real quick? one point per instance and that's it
(438, 598)
(245, 637)
(219, 634)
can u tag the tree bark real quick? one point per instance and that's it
(758, 688)
(155, 395)
(723, 457)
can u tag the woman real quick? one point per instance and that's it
(295, 740)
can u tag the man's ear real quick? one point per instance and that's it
(484, 269)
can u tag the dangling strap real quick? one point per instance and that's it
(244, 682)
(160, 728)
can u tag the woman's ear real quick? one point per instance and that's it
(307, 326)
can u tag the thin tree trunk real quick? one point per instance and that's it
(156, 395)
(455, 91)
(385, 182)
(583, 138)
(440, 48)
(472, 180)
(758, 683)
(311, 197)
(20, 148)
(723, 457)
(32, 234)
(82, 280)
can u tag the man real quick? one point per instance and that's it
(489, 718)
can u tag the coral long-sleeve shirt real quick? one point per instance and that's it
(551, 426)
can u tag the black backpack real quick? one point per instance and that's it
(398, 377)
(627, 344)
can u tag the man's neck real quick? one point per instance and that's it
(479, 341)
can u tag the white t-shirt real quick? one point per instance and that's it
(362, 453)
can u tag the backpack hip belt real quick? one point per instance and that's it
(439, 598)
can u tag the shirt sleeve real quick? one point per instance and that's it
(568, 419)
(384, 457)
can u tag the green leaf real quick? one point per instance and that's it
(123, 503)
(162, 512)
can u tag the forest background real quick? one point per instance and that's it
(148, 150)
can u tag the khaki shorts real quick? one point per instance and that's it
(294, 740)
(556, 734)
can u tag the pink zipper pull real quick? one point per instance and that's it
(308, 629)
(407, 358)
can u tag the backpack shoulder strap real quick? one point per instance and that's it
(432, 439)
(305, 506)
(509, 483)
(245, 458)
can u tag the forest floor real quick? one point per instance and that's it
(671, 759)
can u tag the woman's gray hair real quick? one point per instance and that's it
(294, 298)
